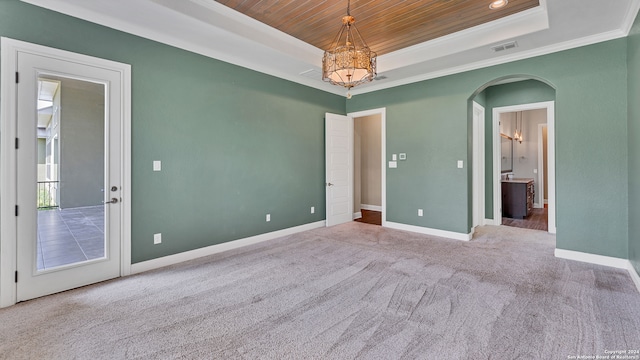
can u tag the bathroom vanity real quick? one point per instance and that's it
(517, 198)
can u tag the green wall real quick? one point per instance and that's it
(429, 121)
(234, 144)
(634, 144)
(516, 93)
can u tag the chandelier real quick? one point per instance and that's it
(349, 61)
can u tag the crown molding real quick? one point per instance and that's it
(225, 39)
(509, 27)
(630, 17)
(211, 29)
(567, 45)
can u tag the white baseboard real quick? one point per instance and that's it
(601, 260)
(592, 258)
(634, 275)
(429, 231)
(218, 248)
(371, 207)
(357, 215)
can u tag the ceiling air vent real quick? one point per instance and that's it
(505, 46)
(312, 74)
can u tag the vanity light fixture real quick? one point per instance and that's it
(517, 135)
(497, 4)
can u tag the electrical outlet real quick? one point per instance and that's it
(157, 238)
(420, 212)
(268, 217)
(313, 209)
(157, 165)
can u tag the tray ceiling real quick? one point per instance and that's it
(386, 25)
(415, 39)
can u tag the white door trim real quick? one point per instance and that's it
(541, 165)
(551, 162)
(8, 128)
(383, 148)
(478, 217)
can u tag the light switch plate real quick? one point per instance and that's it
(393, 164)
(460, 164)
(157, 238)
(420, 213)
(394, 157)
(157, 165)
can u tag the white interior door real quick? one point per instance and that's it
(68, 175)
(339, 168)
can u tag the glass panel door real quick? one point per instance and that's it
(68, 175)
(71, 171)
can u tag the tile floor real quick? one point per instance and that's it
(70, 235)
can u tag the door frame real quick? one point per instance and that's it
(383, 149)
(478, 210)
(551, 162)
(8, 164)
(541, 163)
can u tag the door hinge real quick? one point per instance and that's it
(16, 276)
(17, 77)
(17, 143)
(16, 210)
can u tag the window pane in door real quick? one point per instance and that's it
(71, 172)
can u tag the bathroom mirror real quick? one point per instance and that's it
(506, 155)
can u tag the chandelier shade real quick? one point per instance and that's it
(349, 61)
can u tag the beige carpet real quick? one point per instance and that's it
(351, 291)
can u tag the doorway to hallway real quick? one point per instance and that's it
(368, 168)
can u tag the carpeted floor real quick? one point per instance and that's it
(351, 291)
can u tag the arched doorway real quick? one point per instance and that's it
(514, 93)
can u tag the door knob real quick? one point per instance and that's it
(329, 184)
(112, 201)
(114, 188)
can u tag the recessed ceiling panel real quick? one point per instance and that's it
(386, 25)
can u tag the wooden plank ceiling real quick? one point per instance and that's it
(386, 25)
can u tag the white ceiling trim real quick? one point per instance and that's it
(522, 23)
(630, 17)
(231, 51)
(208, 28)
(616, 34)
(223, 17)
